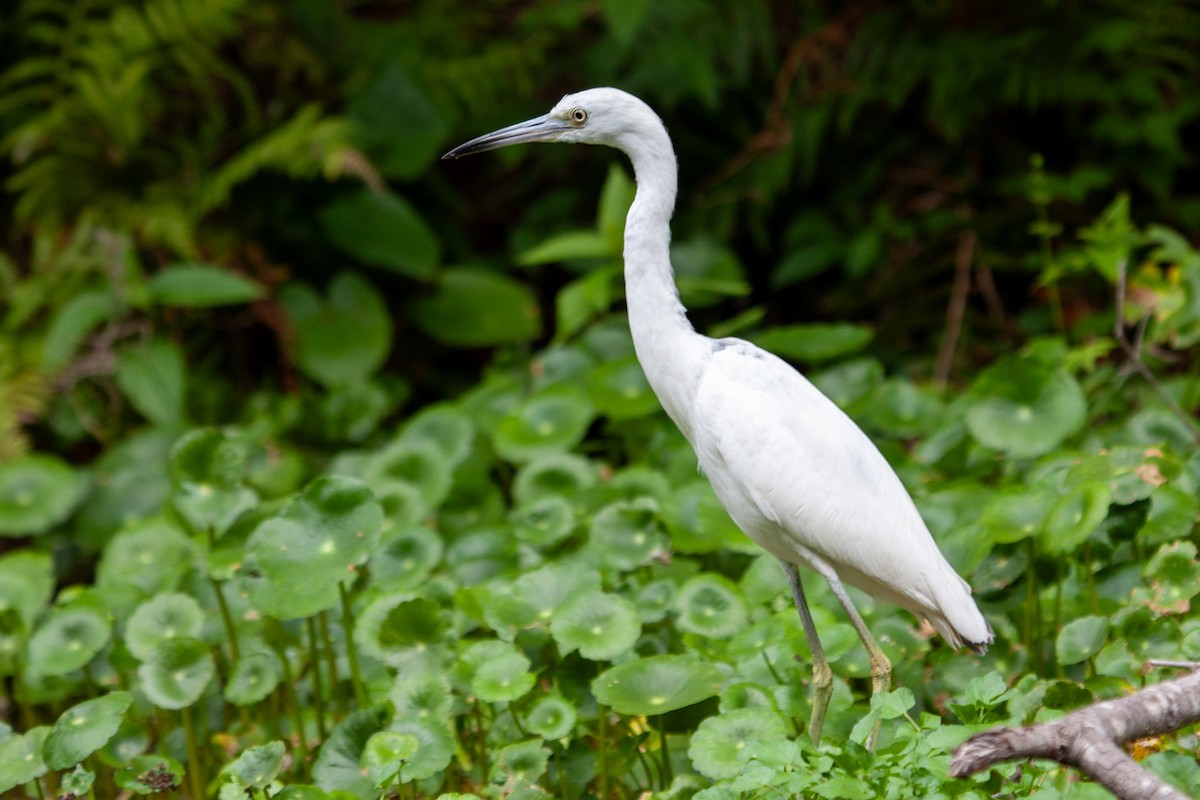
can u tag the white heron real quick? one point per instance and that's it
(793, 471)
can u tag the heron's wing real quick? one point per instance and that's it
(793, 469)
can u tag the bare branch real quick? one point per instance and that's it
(1091, 738)
(964, 256)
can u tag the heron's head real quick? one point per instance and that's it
(595, 116)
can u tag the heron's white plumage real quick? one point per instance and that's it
(793, 471)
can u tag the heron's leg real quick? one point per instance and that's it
(822, 674)
(881, 668)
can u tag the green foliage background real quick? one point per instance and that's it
(245, 312)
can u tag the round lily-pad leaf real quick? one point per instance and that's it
(1017, 514)
(1081, 639)
(700, 524)
(319, 538)
(26, 584)
(419, 463)
(21, 758)
(37, 492)
(625, 535)
(551, 717)
(338, 764)
(711, 606)
(520, 765)
(551, 421)
(165, 616)
(902, 408)
(406, 558)
(207, 472)
(450, 430)
(422, 694)
(83, 729)
(385, 753)
(68, 639)
(545, 522)
(1075, 516)
(655, 600)
(1024, 408)
(657, 684)
(342, 339)
(176, 673)
(718, 742)
(503, 676)
(560, 474)
(600, 626)
(147, 775)
(78, 781)
(619, 390)
(435, 748)
(395, 629)
(152, 556)
(257, 766)
(546, 589)
(254, 676)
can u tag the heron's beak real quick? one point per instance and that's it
(540, 129)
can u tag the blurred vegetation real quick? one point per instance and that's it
(240, 298)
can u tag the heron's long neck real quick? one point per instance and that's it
(668, 348)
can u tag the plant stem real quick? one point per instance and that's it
(195, 776)
(289, 691)
(317, 689)
(330, 656)
(226, 617)
(360, 692)
(1032, 608)
(602, 747)
(1091, 578)
(668, 773)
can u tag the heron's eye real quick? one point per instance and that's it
(578, 116)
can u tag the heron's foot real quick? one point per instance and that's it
(822, 691)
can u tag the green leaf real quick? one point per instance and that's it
(152, 556)
(83, 729)
(1017, 513)
(625, 535)
(151, 374)
(68, 639)
(619, 390)
(434, 751)
(550, 421)
(583, 300)
(254, 677)
(26, 583)
(711, 606)
(1075, 516)
(600, 626)
(569, 246)
(520, 765)
(201, 286)
(499, 671)
(318, 539)
(207, 470)
(893, 704)
(165, 616)
(257, 766)
(656, 685)
(393, 629)
(717, 746)
(473, 307)
(71, 325)
(1024, 408)
(816, 342)
(176, 673)
(616, 197)
(396, 123)
(338, 764)
(1081, 639)
(78, 781)
(343, 339)
(385, 753)
(37, 492)
(382, 230)
(551, 717)
(21, 758)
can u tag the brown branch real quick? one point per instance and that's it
(964, 255)
(1091, 738)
